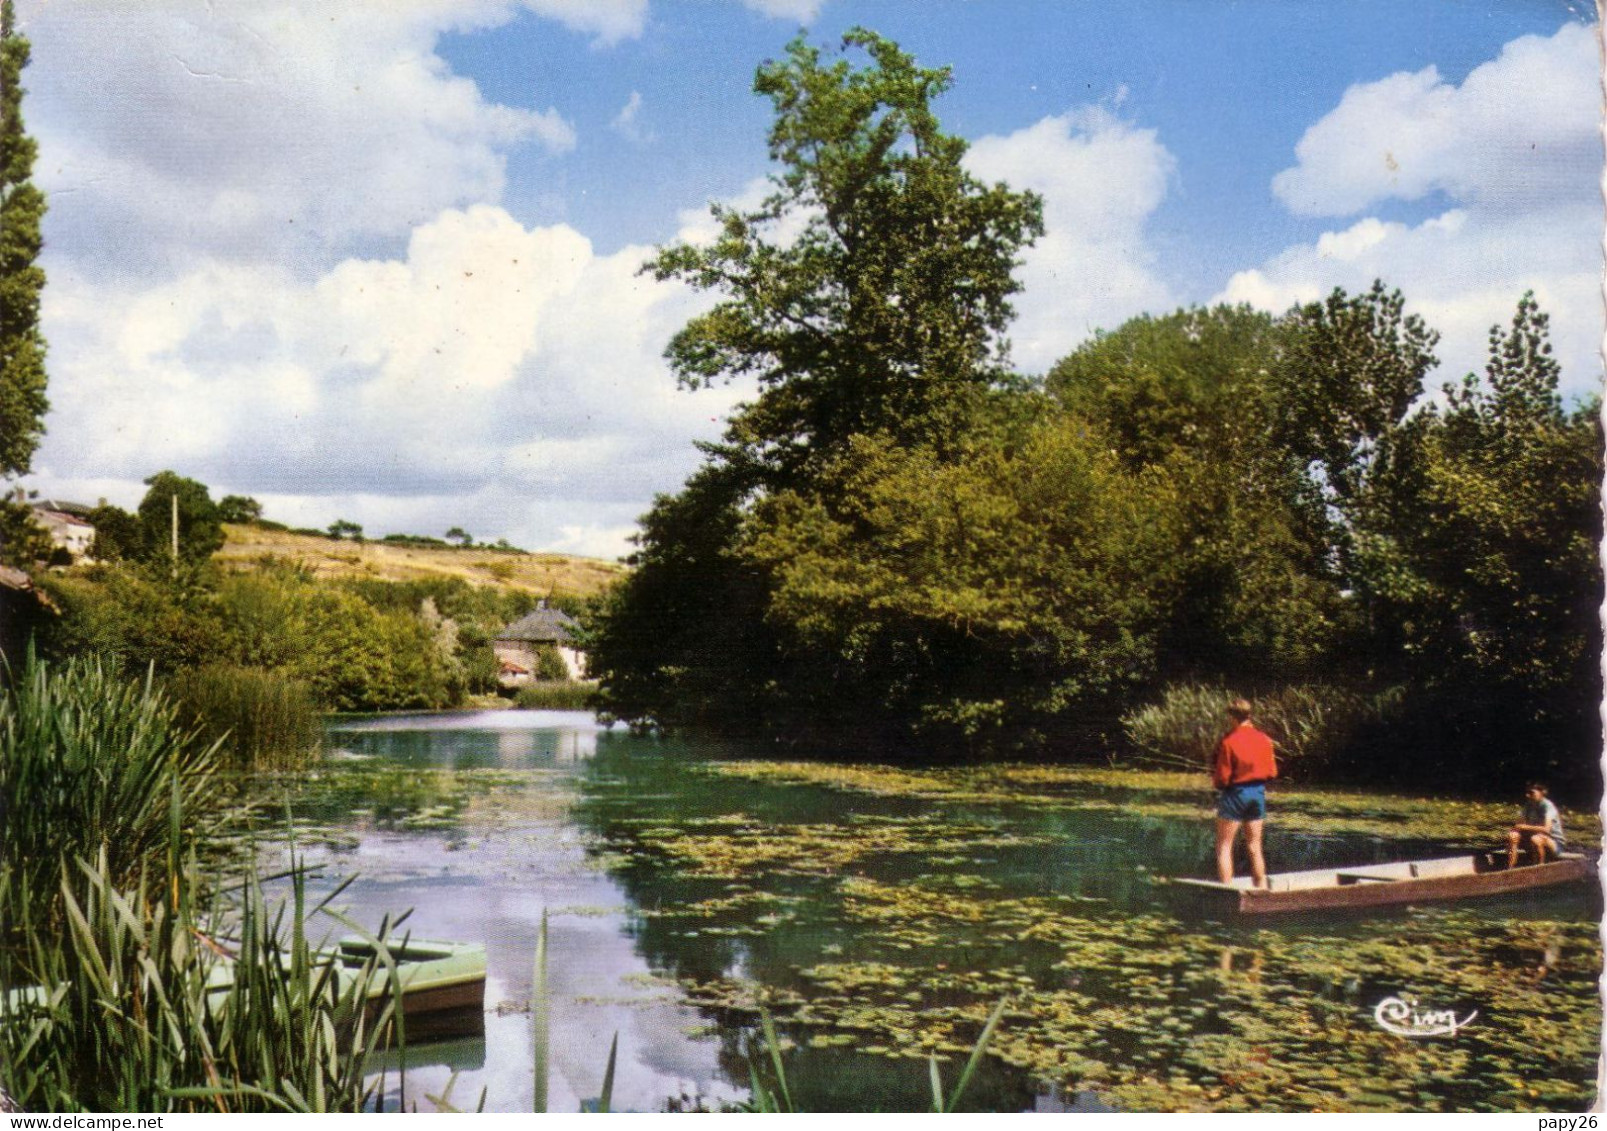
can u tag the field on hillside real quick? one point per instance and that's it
(328, 557)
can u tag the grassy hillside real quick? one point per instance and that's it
(329, 557)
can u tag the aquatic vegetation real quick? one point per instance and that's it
(879, 915)
(824, 849)
(1119, 995)
(93, 762)
(1160, 794)
(139, 1009)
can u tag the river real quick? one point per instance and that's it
(879, 914)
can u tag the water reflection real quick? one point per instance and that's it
(509, 855)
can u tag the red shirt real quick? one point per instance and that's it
(1244, 754)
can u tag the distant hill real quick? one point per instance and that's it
(558, 574)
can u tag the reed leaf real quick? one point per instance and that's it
(539, 1021)
(605, 1098)
(975, 1059)
(104, 764)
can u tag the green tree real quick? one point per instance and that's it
(117, 534)
(1191, 397)
(200, 530)
(1351, 368)
(1008, 596)
(1477, 558)
(870, 290)
(459, 535)
(22, 540)
(22, 206)
(239, 508)
(682, 640)
(340, 528)
(867, 295)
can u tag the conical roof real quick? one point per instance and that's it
(543, 626)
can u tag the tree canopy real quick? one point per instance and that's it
(902, 546)
(870, 290)
(200, 528)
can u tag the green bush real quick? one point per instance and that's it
(555, 696)
(136, 614)
(549, 664)
(1315, 725)
(264, 720)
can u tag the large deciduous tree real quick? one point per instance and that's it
(867, 296)
(200, 528)
(1477, 554)
(870, 290)
(1351, 368)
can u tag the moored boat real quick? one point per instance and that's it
(1378, 885)
(440, 985)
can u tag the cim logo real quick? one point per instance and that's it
(1401, 1016)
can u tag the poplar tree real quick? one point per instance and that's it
(22, 206)
(22, 349)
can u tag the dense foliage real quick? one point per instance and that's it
(899, 544)
(23, 403)
(358, 645)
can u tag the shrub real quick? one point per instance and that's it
(550, 664)
(137, 615)
(1315, 725)
(502, 570)
(264, 720)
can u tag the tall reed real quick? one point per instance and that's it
(263, 720)
(555, 695)
(1316, 726)
(95, 766)
(137, 1007)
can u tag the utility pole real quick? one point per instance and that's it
(175, 536)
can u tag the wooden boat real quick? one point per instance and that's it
(1378, 885)
(442, 984)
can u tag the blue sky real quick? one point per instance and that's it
(377, 261)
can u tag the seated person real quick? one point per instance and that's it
(1539, 828)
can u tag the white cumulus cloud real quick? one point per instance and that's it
(608, 21)
(269, 130)
(798, 11)
(1101, 178)
(626, 123)
(496, 377)
(1516, 133)
(1517, 149)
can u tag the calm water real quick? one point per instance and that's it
(677, 897)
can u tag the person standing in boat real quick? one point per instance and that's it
(1244, 764)
(1539, 827)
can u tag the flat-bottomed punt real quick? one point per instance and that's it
(1379, 885)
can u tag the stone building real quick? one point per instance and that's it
(520, 645)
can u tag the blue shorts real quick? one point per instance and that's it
(1244, 802)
